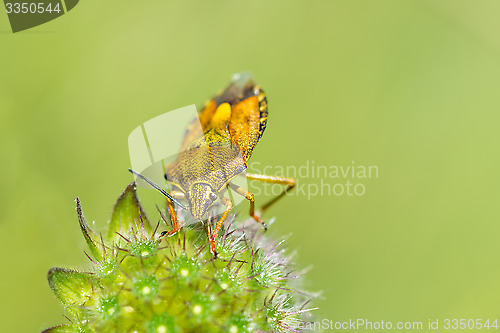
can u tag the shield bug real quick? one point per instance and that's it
(213, 154)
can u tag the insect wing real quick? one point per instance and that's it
(248, 122)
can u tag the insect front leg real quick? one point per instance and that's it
(173, 214)
(229, 205)
(274, 180)
(249, 196)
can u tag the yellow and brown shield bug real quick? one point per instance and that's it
(213, 154)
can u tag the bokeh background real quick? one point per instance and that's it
(409, 86)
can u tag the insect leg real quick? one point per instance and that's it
(213, 237)
(249, 196)
(275, 180)
(173, 217)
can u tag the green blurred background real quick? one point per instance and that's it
(408, 86)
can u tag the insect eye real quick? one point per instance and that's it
(212, 196)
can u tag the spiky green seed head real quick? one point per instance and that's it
(141, 281)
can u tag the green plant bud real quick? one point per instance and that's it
(140, 280)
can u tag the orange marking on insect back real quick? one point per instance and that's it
(245, 124)
(206, 114)
(196, 128)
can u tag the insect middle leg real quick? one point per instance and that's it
(268, 179)
(273, 180)
(173, 214)
(249, 196)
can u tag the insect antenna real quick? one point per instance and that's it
(157, 187)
